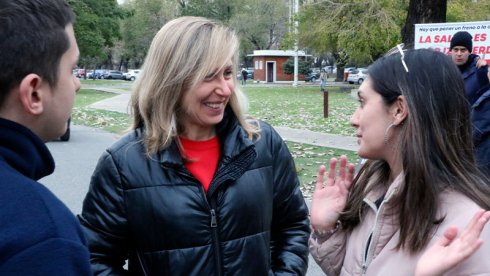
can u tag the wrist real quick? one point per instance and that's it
(325, 231)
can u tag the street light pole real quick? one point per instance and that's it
(295, 82)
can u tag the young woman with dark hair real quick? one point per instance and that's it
(413, 124)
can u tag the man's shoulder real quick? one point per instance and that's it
(30, 211)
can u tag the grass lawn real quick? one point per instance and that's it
(300, 107)
(308, 158)
(108, 120)
(106, 82)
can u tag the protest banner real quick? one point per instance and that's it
(438, 36)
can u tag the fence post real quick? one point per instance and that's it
(325, 103)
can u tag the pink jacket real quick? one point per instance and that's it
(347, 254)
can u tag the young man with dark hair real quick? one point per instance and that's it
(38, 50)
(477, 85)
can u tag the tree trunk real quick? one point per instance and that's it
(422, 11)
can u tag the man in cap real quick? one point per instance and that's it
(477, 88)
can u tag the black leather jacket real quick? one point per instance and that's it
(152, 211)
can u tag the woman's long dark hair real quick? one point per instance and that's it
(435, 145)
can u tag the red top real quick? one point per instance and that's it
(202, 159)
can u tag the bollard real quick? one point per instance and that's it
(325, 103)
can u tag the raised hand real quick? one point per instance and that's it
(481, 62)
(330, 195)
(451, 250)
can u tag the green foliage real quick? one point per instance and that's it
(261, 23)
(138, 29)
(303, 67)
(465, 11)
(362, 30)
(221, 10)
(96, 27)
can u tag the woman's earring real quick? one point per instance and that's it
(386, 133)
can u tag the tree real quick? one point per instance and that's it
(260, 24)
(221, 10)
(422, 11)
(145, 18)
(464, 10)
(96, 27)
(303, 67)
(352, 30)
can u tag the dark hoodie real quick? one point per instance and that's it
(477, 88)
(38, 234)
(475, 79)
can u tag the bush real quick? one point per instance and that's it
(303, 67)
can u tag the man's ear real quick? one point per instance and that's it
(399, 110)
(31, 94)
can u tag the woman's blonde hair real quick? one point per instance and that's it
(181, 54)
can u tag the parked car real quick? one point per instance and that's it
(357, 75)
(250, 74)
(312, 76)
(66, 136)
(347, 71)
(116, 75)
(132, 74)
(330, 69)
(97, 74)
(79, 73)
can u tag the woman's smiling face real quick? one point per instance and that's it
(204, 106)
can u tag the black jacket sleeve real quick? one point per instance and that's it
(104, 220)
(290, 227)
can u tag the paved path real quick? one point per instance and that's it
(120, 102)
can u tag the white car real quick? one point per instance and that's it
(358, 75)
(132, 74)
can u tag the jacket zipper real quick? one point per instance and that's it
(367, 256)
(214, 229)
(211, 203)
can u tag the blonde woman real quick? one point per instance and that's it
(195, 188)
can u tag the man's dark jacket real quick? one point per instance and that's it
(253, 220)
(477, 88)
(38, 234)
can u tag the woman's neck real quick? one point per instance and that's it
(199, 135)
(396, 167)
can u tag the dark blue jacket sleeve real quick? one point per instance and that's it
(51, 257)
(481, 131)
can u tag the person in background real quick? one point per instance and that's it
(323, 80)
(38, 51)
(420, 181)
(244, 76)
(195, 188)
(477, 86)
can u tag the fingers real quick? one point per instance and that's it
(476, 225)
(331, 171)
(350, 175)
(345, 173)
(319, 177)
(343, 165)
(449, 236)
(482, 217)
(474, 219)
(481, 61)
